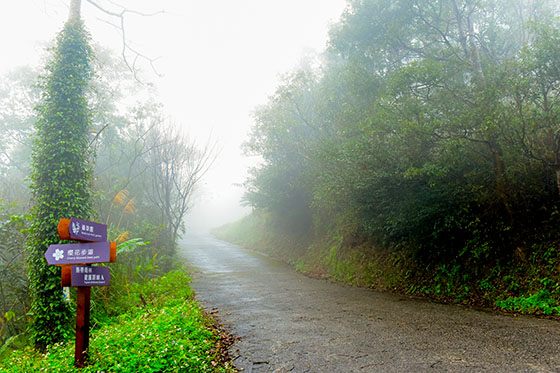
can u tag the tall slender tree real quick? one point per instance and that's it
(61, 175)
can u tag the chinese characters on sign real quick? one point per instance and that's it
(75, 271)
(90, 276)
(80, 253)
(84, 230)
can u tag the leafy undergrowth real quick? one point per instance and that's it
(542, 302)
(169, 334)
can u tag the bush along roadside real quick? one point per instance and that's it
(167, 333)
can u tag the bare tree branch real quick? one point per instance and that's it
(97, 134)
(177, 166)
(120, 16)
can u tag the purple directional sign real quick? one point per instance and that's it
(90, 276)
(87, 230)
(79, 253)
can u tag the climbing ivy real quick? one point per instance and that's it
(61, 174)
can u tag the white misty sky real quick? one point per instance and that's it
(219, 59)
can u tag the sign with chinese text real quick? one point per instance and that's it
(79, 253)
(95, 249)
(82, 230)
(90, 276)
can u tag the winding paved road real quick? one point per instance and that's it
(290, 323)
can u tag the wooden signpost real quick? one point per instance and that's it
(75, 260)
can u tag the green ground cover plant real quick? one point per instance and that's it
(169, 333)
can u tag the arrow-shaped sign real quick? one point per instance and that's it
(81, 253)
(81, 230)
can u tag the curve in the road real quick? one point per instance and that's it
(290, 323)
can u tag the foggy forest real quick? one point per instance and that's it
(387, 201)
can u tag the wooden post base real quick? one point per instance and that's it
(82, 326)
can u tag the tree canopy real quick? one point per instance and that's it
(430, 125)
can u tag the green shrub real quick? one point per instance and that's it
(15, 300)
(541, 302)
(170, 334)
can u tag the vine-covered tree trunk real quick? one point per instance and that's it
(61, 176)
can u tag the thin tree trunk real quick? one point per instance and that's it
(465, 27)
(460, 28)
(500, 177)
(557, 171)
(75, 7)
(499, 170)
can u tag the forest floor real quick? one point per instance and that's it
(286, 322)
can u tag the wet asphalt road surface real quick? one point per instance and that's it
(287, 322)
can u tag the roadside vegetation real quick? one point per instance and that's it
(419, 153)
(156, 327)
(84, 138)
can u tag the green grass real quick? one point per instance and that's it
(170, 334)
